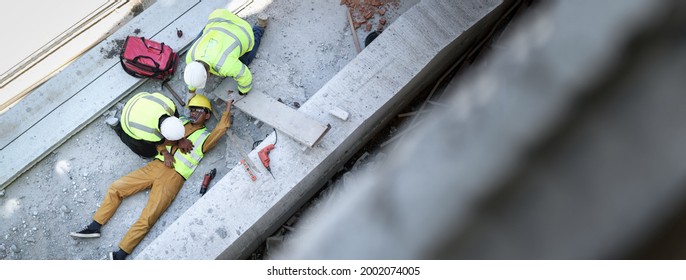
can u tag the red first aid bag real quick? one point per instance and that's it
(144, 58)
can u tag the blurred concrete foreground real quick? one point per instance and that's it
(568, 144)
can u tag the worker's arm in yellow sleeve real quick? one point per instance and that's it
(219, 130)
(242, 75)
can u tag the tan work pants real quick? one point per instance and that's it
(164, 183)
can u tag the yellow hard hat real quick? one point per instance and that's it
(200, 100)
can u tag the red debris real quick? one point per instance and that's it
(368, 14)
(365, 11)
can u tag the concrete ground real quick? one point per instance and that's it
(305, 44)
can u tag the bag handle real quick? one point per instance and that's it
(149, 47)
(137, 58)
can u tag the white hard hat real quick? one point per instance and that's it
(172, 128)
(195, 74)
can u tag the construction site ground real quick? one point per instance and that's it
(305, 44)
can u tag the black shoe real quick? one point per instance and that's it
(86, 233)
(119, 255)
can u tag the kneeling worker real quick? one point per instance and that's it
(164, 176)
(225, 48)
(147, 120)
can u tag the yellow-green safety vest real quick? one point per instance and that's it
(225, 38)
(185, 164)
(141, 114)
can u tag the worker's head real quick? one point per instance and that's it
(201, 109)
(172, 128)
(195, 75)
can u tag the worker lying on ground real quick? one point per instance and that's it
(164, 176)
(147, 120)
(225, 48)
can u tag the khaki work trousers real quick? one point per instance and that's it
(164, 183)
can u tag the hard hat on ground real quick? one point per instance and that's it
(195, 74)
(172, 128)
(200, 100)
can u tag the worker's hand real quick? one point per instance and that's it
(235, 96)
(168, 159)
(229, 102)
(185, 145)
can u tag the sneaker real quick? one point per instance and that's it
(86, 233)
(119, 255)
(262, 20)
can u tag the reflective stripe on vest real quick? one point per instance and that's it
(185, 164)
(141, 114)
(236, 43)
(221, 26)
(247, 34)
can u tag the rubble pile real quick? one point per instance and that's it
(368, 13)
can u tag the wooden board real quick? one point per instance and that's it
(287, 120)
(291, 122)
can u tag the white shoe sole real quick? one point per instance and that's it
(82, 235)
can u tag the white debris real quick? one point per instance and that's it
(339, 113)
(112, 121)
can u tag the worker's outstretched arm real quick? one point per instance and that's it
(219, 130)
(242, 75)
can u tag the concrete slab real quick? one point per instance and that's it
(87, 88)
(236, 214)
(274, 113)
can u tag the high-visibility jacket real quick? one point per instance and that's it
(185, 164)
(141, 114)
(225, 38)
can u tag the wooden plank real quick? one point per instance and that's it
(291, 122)
(46, 133)
(287, 120)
